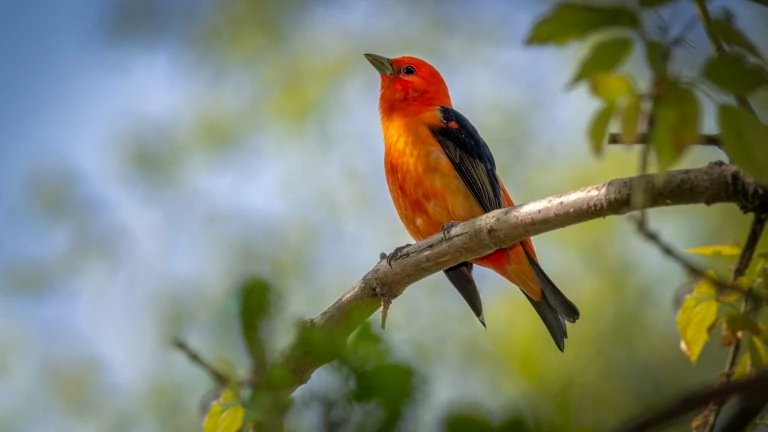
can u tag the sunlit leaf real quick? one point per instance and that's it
(611, 86)
(745, 139)
(630, 117)
(598, 127)
(733, 74)
(566, 22)
(604, 57)
(225, 415)
(733, 36)
(696, 317)
(677, 114)
(715, 250)
(654, 3)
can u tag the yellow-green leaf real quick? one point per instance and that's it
(225, 415)
(696, 317)
(630, 116)
(758, 352)
(734, 74)
(745, 139)
(715, 250)
(566, 22)
(611, 86)
(599, 126)
(604, 57)
(677, 114)
(743, 366)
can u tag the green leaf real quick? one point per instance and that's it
(733, 74)
(676, 113)
(743, 366)
(460, 422)
(254, 306)
(630, 117)
(715, 250)
(654, 3)
(758, 353)
(657, 55)
(599, 126)
(611, 86)
(604, 57)
(745, 139)
(733, 36)
(566, 22)
(696, 317)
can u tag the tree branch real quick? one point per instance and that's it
(644, 138)
(715, 183)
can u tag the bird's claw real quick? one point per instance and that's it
(447, 227)
(395, 255)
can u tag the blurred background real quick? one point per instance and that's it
(156, 152)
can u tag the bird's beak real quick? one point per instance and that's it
(381, 63)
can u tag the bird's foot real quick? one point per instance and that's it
(447, 227)
(396, 254)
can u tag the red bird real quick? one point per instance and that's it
(440, 171)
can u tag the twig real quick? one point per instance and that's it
(747, 253)
(684, 262)
(718, 47)
(715, 183)
(218, 377)
(749, 388)
(644, 138)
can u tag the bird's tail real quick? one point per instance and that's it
(554, 308)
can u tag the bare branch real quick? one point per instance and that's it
(715, 183)
(218, 377)
(644, 138)
(751, 389)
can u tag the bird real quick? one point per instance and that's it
(439, 172)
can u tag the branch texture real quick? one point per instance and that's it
(715, 183)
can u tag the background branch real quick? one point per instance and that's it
(644, 138)
(715, 183)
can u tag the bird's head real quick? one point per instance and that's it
(408, 84)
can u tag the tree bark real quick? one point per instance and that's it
(712, 184)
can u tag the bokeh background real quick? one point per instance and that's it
(156, 152)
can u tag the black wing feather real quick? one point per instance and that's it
(470, 156)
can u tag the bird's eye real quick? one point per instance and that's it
(409, 70)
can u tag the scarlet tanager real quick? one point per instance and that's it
(440, 171)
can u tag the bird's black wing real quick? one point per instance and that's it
(470, 156)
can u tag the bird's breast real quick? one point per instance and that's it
(426, 190)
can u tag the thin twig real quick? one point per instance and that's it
(745, 258)
(644, 138)
(753, 387)
(670, 252)
(718, 47)
(195, 358)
